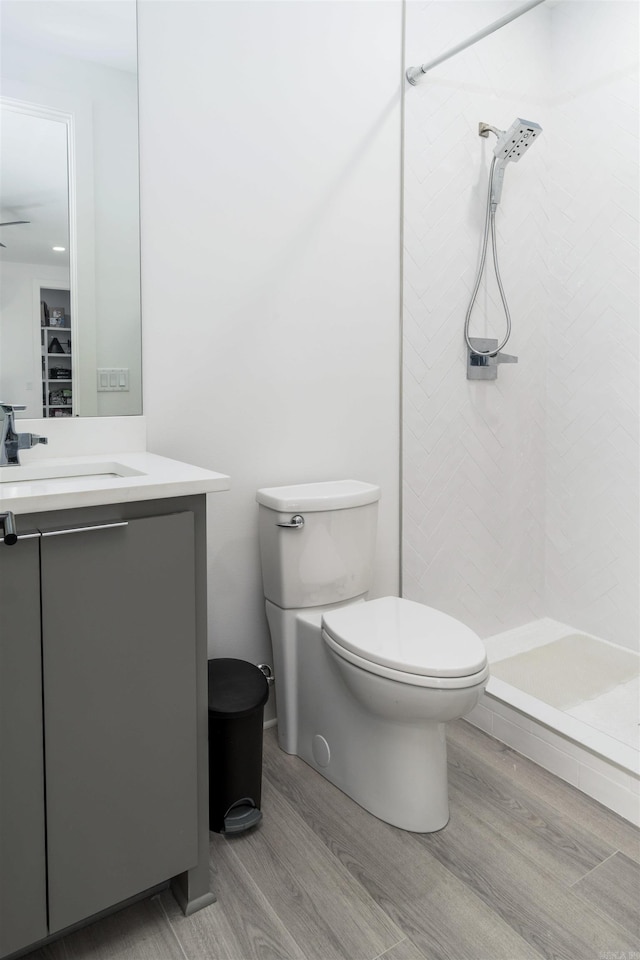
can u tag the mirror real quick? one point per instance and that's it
(70, 342)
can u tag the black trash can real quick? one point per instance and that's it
(238, 692)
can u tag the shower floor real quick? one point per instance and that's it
(586, 678)
(571, 703)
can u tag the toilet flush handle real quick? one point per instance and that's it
(296, 522)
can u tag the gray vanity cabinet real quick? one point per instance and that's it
(23, 907)
(119, 669)
(99, 664)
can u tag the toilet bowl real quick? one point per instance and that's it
(440, 663)
(364, 688)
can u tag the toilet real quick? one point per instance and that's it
(364, 688)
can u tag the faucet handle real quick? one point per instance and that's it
(483, 358)
(8, 524)
(11, 407)
(28, 440)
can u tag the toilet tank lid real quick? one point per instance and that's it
(324, 495)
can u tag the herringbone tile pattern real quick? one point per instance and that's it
(474, 490)
(592, 387)
(520, 494)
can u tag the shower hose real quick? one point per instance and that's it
(489, 227)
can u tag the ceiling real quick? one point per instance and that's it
(103, 31)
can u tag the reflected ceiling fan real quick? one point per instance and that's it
(11, 223)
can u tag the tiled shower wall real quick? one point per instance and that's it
(519, 494)
(473, 451)
(592, 381)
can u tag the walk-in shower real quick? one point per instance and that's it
(520, 505)
(512, 144)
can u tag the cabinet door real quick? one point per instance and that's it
(118, 615)
(23, 909)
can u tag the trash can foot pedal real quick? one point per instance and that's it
(241, 816)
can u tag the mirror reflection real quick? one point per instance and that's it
(69, 201)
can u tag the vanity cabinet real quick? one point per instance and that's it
(23, 903)
(99, 739)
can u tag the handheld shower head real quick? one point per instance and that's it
(512, 143)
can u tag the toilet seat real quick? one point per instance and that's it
(408, 642)
(411, 679)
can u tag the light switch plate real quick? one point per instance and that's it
(113, 379)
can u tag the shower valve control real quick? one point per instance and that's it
(483, 365)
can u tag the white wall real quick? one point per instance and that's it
(270, 152)
(521, 495)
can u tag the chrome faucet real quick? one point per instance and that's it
(12, 441)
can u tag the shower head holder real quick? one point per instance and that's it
(484, 129)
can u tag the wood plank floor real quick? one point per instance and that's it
(527, 868)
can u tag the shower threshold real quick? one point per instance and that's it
(570, 702)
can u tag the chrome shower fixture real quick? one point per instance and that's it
(484, 355)
(511, 146)
(512, 143)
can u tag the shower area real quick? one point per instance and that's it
(521, 493)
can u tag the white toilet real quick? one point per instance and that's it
(363, 688)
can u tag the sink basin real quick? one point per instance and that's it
(36, 474)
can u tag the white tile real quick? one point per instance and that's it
(528, 484)
(504, 710)
(541, 435)
(616, 712)
(553, 760)
(603, 767)
(610, 794)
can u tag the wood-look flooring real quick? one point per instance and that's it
(527, 867)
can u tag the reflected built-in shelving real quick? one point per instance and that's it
(57, 353)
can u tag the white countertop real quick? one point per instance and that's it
(68, 482)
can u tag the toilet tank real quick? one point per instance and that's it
(329, 558)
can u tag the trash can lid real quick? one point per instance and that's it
(236, 688)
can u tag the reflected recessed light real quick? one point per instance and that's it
(59, 249)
